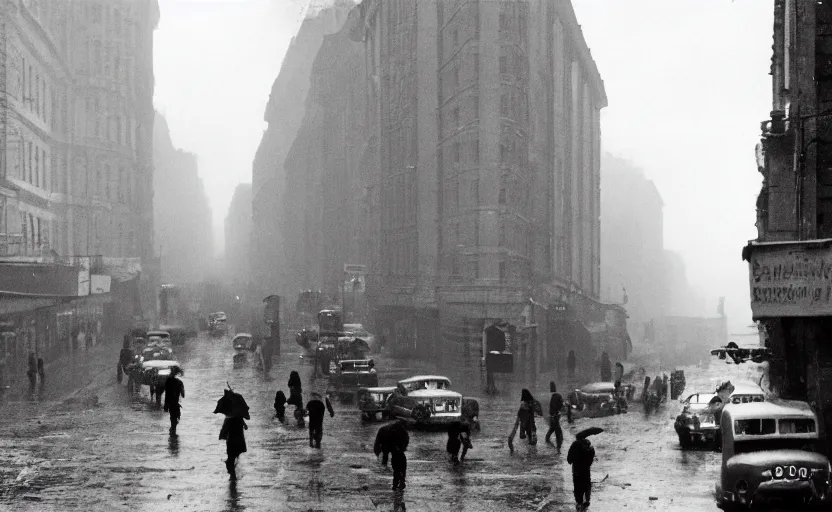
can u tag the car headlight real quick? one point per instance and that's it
(778, 472)
(742, 488)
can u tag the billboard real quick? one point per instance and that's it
(790, 279)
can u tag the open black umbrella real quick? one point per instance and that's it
(591, 431)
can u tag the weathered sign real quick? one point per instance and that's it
(790, 279)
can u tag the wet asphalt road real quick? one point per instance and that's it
(82, 442)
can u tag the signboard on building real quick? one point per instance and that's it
(790, 279)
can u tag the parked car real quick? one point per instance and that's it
(218, 323)
(351, 375)
(372, 402)
(697, 423)
(599, 399)
(772, 456)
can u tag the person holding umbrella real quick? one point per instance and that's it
(581, 456)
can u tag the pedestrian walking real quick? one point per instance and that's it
(235, 409)
(556, 405)
(571, 363)
(384, 442)
(459, 437)
(32, 371)
(398, 459)
(606, 368)
(525, 419)
(619, 375)
(581, 456)
(125, 357)
(280, 406)
(174, 389)
(316, 409)
(296, 396)
(41, 371)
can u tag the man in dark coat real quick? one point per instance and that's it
(125, 357)
(555, 407)
(581, 456)
(316, 410)
(399, 441)
(384, 442)
(174, 388)
(280, 406)
(296, 396)
(459, 436)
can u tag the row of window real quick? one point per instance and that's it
(35, 233)
(101, 123)
(510, 271)
(110, 61)
(34, 90)
(35, 165)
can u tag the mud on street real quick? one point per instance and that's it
(99, 448)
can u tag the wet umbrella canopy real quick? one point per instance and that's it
(591, 431)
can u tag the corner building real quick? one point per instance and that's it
(487, 121)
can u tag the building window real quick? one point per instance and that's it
(29, 173)
(456, 152)
(475, 192)
(456, 77)
(455, 37)
(456, 200)
(455, 115)
(503, 21)
(502, 271)
(504, 104)
(476, 59)
(37, 95)
(503, 64)
(476, 151)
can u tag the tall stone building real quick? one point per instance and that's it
(486, 116)
(238, 237)
(275, 231)
(182, 215)
(76, 123)
(455, 156)
(790, 260)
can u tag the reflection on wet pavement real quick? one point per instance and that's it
(103, 449)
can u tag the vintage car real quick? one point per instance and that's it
(351, 375)
(426, 407)
(599, 399)
(425, 382)
(372, 402)
(158, 337)
(358, 331)
(151, 373)
(772, 457)
(243, 341)
(156, 352)
(696, 422)
(218, 323)
(470, 406)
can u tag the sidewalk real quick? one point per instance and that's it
(64, 376)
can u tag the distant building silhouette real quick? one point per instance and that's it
(182, 216)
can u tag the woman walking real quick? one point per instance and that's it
(525, 419)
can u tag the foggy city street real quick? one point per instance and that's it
(424, 255)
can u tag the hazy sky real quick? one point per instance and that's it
(687, 82)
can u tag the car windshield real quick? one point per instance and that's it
(759, 445)
(745, 399)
